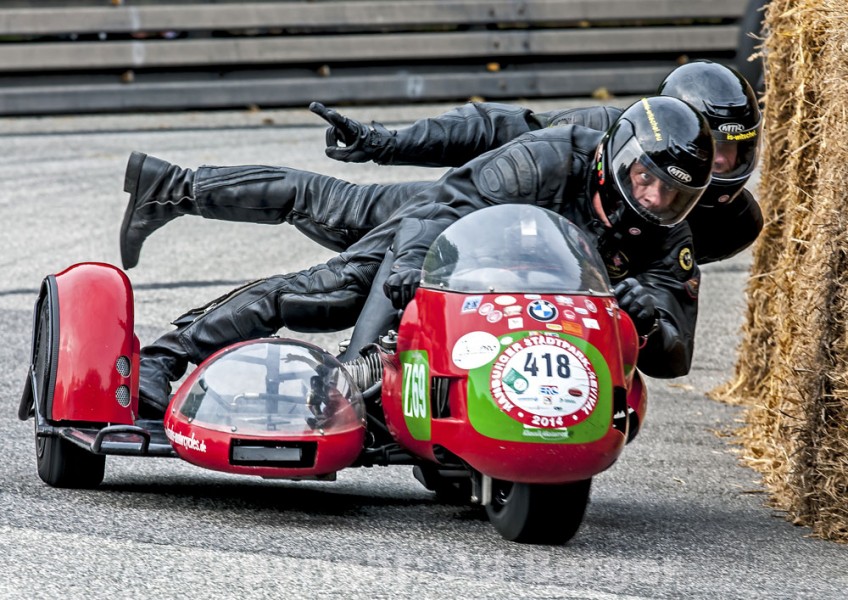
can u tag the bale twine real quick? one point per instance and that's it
(792, 369)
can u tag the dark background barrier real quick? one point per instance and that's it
(112, 55)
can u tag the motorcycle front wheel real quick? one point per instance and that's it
(538, 514)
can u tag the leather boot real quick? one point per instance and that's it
(331, 212)
(161, 363)
(159, 192)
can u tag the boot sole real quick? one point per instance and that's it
(131, 187)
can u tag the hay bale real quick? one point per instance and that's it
(792, 369)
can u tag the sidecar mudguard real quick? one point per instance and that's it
(84, 364)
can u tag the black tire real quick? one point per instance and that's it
(538, 514)
(63, 464)
(60, 462)
(751, 23)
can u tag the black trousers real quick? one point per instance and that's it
(359, 221)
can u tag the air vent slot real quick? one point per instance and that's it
(440, 397)
(619, 409)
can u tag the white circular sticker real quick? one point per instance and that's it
(475, 349)
(544, 381)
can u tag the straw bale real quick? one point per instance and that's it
(792, 369)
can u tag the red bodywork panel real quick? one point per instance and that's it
(94, 306)
(330, 448)
(434, 322)
(212, 449)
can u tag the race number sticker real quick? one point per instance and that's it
(415, 392)
(545, 382)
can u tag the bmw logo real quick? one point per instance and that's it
(542, 310)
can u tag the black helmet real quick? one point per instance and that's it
(654, 164)
(727, 101)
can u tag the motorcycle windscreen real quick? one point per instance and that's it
(271, 388)
(514, 248)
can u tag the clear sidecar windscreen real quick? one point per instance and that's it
(271, 387)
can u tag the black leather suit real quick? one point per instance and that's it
(550, 168)
(454, 138)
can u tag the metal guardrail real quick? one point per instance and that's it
(101, 56)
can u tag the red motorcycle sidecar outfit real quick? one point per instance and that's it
(511, 382)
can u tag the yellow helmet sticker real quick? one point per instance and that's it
(652, 120)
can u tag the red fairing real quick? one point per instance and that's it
(637, 393)
(97, 363)
(272, 432)
(435, 320)
(536, 463)
(629, 341)
(212, 449)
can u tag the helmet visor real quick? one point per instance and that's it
(661, 196)
(736, 152)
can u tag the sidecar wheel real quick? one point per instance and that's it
(538, 514)
(60, 462)
(63, 464)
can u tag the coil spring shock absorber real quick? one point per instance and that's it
(366, 370)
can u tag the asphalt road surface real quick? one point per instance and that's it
(676, 517)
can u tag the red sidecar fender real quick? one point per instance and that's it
(90, 309)
(269, 407)
(522, 387)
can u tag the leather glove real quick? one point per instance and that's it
(634, 299)
(400, 286)
(360, 142)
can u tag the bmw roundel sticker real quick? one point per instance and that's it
(542, 310)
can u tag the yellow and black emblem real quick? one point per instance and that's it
(685, 259)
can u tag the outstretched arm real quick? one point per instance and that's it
(451, 139)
